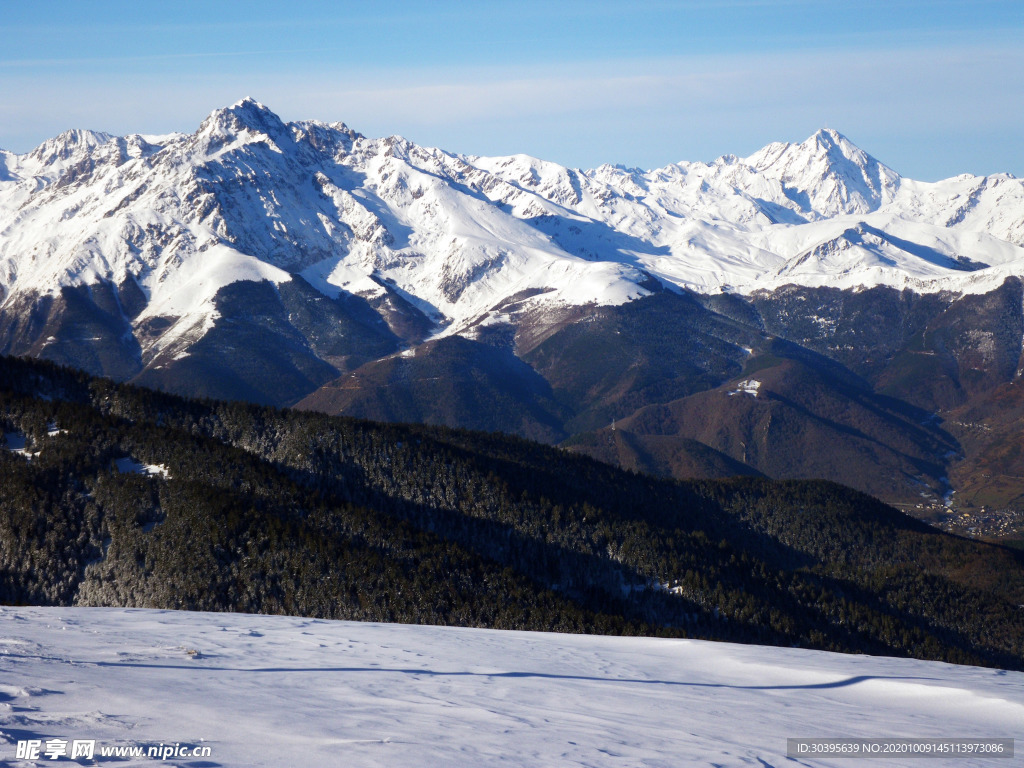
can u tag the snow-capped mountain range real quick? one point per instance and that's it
(303, 264)
(249, 197)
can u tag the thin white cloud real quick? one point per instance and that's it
(638, 112)
(134, 59)
(765, 97)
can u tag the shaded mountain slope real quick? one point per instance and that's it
(789, 420)
(991, 429)
(451, 381)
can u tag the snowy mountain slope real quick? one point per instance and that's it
(739, 224)
(460, 234)
(275, 690)
(247, 196)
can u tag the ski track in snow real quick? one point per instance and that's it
(276, 691)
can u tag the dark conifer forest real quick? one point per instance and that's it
(264, 510)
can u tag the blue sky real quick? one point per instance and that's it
(931, 88)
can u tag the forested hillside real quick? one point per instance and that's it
(116, 495)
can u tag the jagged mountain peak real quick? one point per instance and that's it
(324, 136)
(827, 174)
(830, 137)
(244, 117)
(67, 144)
(249, 103)
(251, 112)
(824, 144)
(841, 153)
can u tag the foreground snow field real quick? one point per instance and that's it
(283, 691)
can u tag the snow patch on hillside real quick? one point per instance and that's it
(17, 443)
(747, 387)
(129, 466)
